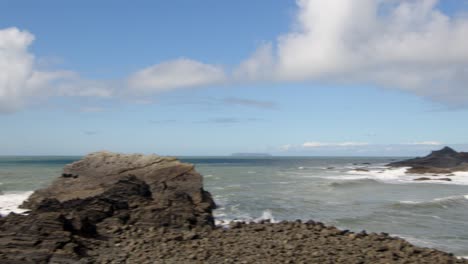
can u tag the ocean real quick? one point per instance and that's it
(350, 193)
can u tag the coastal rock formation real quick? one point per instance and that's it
(444, 161)
(100, 193)
(165, 191)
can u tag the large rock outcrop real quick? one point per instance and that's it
(98, 195)
(445, 160)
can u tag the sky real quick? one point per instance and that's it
(211, 77)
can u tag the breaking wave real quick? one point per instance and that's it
(444, 202)
(353, 183)
(10, 201)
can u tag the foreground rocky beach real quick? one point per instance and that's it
(286, 242)
(114, 208)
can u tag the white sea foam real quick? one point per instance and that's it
(399, 175)
(416, 241)
(266, 215)
(10, 201)
(280, 182)
(222, 220)
(409, 202)
(461, 173)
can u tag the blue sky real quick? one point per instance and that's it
(354, 77)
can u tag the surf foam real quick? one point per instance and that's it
(10, 201)
(400, 175)
(221, 220)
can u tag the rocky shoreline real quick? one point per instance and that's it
(284, 242)
(115, 208)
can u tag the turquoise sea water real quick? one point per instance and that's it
(351, 193)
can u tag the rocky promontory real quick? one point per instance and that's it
(115, 208)
(444, 161)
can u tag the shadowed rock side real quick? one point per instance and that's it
(112, 208)
(442, 161)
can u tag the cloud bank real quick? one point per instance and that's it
(361, 148)
(21, 78)
(315, 144)
(18, 78)
(179, 73)
(407, 45)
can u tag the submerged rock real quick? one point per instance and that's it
(432, 179)
(444, 161)
(361, 170)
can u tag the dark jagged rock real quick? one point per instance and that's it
(432, 179)
(361, 170)
(444, 161)
(422, 179)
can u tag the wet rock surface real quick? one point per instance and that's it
(444, 161)
(113, 208)
(432, 179)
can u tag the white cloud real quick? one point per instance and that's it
(15, 67)
(286, 147)
(179, 73)
(314, 144)
(427, 143)
(259, 67)
(408, 45)
(363, 148)
(21, 79)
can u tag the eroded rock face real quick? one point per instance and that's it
(173, 190)
(100, 193)
(443, 161)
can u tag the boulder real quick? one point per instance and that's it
(97, 196)
(171, 192)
